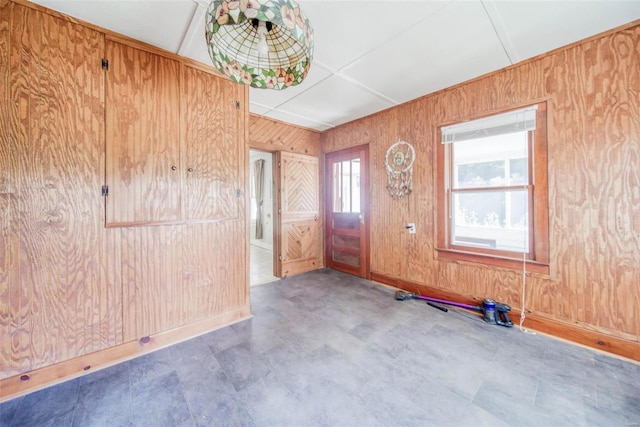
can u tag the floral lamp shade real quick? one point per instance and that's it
(267, 44)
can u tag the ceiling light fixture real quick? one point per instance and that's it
(267, 44)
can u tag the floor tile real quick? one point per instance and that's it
(242, 366)
(52, 406)
(159, 401)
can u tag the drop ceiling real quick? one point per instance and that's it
(372, 55)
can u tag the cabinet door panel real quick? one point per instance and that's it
(143, 137)
(214, 150)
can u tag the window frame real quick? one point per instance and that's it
(537, 260)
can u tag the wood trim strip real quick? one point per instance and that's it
(38, 379)
(626, 349)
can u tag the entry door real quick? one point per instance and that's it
(346, 211)
(299, 241)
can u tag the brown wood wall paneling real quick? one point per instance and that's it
(60, 301)
(271, 135)
(593, 93)
(7, 242)
(63, 275)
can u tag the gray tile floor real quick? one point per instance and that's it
(327, 349)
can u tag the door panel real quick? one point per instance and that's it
(214, 154)
(299, 242)
(143, 139)
(347, 216)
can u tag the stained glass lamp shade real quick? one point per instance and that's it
(267, 44)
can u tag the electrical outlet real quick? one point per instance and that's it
(412, 228)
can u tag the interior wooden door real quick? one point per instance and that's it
(299, 242)
(144, 170)
(346, 211)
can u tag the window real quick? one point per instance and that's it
(346, 186)
(492, 190)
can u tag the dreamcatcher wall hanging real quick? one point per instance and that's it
(399, 162)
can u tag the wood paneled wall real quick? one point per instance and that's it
(6, 190)
(593, 92)
(271, 135)
(60, 303)
(72, 290)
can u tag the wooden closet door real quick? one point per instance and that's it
(61, 305)
(144, 169)
(214, 152)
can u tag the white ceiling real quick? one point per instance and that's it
(372, 55)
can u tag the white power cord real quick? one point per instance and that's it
(524, 286)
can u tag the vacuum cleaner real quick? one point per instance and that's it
(494, 313)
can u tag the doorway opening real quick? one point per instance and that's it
(261, 229)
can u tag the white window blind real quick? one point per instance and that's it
(513, 121)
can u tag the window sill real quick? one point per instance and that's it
(496, 261)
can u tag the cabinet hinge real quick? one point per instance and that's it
(105, 190)
(105, 64)
(237, 105)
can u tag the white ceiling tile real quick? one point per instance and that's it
(274, 98)
(456, 44)
(159, 23)
(345, 30)
(334, 101)
(536, 27)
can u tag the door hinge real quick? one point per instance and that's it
(105, 64)
(237, 105)
(105, 190)
(279, 210)
(238, 193)
(279, 164)
(279, 257)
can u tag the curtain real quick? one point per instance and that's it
(258, 172)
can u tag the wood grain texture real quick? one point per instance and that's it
(300, 231)
(7, 237)
(593, 94)
(212, 145)
(272, 135)
(144, 168)
(175, 275)
(62, 305)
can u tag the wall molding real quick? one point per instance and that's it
(28, 382)
(574, 334)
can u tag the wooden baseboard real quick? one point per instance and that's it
(574, 333)
(28, 382)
